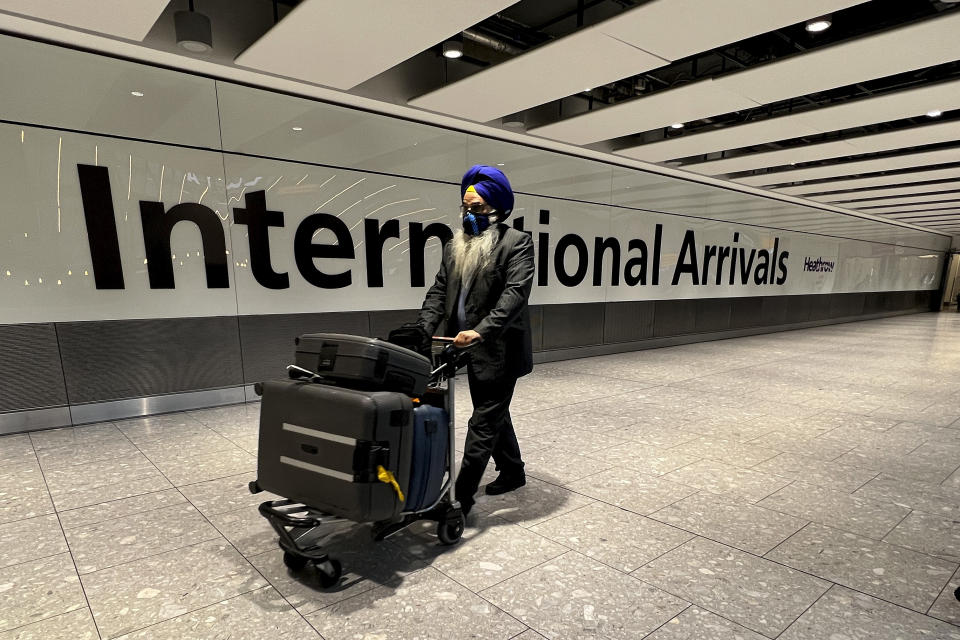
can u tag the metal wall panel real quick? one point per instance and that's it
(267, 341)
(746, 312)
(674, 317)
(536, 326)
(627, 321)
(572, 325)
(773, 311)
(798, 308)
(30, 367)
(713, 314)
(119, 359)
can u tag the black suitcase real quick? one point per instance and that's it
(431, 431)
(357, 362)
(321, 446)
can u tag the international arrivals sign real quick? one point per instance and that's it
(597, 261)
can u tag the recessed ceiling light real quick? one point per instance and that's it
(677, 125)
(193, 30)
(452, 49)
(934, 113)
(819, 24)
(139, 94)
(297, 128)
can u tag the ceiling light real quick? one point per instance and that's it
(139, 94)
(193, 30)
(513, 121)
(677, 125)
(819, 24)
(934, 113)
(297, 128)
(452, 49)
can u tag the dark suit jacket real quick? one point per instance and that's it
(496, 307)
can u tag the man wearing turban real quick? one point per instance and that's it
(481, 293)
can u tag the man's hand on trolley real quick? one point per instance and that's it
(465, 338)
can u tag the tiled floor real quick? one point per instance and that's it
(802, 486)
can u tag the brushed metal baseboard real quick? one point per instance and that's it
(34, 419)
(137, 407)
(570, 353)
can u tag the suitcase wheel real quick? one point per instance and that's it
(329, 572)
(449, 531)
(293, 561)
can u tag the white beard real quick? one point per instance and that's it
(472, 253)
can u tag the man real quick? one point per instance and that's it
(481, 293)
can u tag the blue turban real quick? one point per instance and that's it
(492, 186)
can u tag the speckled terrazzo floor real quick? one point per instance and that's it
(802, 485)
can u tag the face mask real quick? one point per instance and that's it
(475, 223)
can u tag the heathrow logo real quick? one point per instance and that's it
(818, 265)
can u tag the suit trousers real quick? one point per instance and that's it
(489, 434)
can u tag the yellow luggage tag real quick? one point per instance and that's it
(386, 477)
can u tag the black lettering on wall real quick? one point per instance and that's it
(259, 221)
(783, 267)
(567, 241)
(600, 246)
(304, 250)
(639, 262)
(157, 228)
(746, 265)
(657, 239)
(687, 264)
(418, 246)
(543, 251)
(773, 260)
(101, 226)
(721, 257)
(373, 237)
(763, 267)
(709, 252)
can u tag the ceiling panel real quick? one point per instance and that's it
(900, 139)
(849, 62)
(918, 208)
(858, 166)
(120, 18)
(570, 65)
(638, 40)
(910, 199)
(846, 115)
(341, 43)
(849, 199)
(873, 181)
(932, 41)
(658, 110)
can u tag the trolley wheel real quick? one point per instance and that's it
(957, 593)
(449, 532)
(293, 561)
(329, 572)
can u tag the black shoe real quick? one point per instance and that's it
(504, 484)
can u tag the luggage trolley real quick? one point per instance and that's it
(297, 524)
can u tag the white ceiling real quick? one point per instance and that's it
(933, 42)
(119, 18)
(844, 115)
(907, 199)
(623, 46)
(839, 169)
(899, 139)
(872, 182)
(341, 43)
(891, 191)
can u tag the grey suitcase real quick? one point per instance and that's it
(358, 362)
(322, 445)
